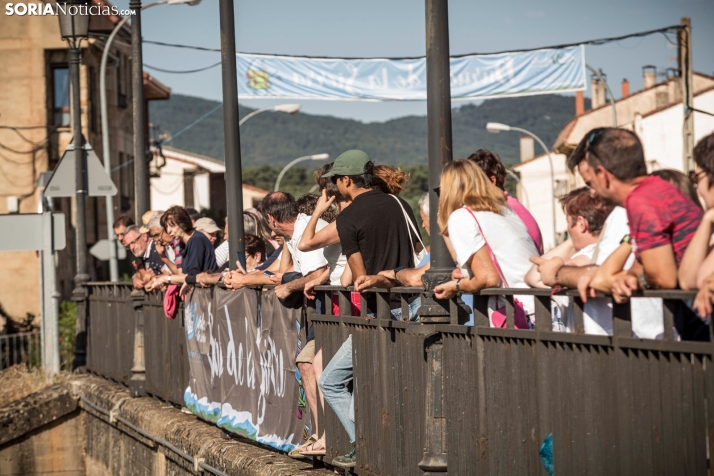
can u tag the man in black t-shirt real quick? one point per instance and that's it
(373, 230)
(375, 236)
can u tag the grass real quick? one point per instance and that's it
(20, 381)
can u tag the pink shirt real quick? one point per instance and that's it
(528, 219)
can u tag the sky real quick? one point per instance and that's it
(393, 28)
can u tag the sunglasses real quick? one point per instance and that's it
(695, 177)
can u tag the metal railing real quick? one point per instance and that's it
(491, 397)
(20, 348)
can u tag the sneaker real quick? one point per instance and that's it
(346, 461)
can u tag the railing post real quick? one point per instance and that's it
(433, 311)
(137, 384)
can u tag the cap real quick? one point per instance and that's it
(147, 216)
(351, 162)
(207, 225)
(144, 229)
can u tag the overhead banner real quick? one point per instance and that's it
(241, 348)
(380, 79)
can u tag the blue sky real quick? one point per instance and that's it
(396, 28)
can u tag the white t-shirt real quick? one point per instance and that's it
(508, 238)
(597, 313)
(306, 262)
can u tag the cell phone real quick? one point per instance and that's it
(268, 273)
(241, 258)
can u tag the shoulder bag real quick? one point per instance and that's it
(498, 315)
(418, 257)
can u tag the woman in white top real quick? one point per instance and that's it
(467, 195)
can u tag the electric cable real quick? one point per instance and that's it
(181, 72)
(599, 41)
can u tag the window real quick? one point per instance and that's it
(60, 96)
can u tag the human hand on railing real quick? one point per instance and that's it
(703, 300)
(445, 290)
(203, 279)
(233, 280)
(277, 278)
(137, 281)
(367, 281)
(623, 285)
(457, 274)
(185, 288)
(156, 282)
(323, 203)
(584, 284)
(548, 269)
(309, 290)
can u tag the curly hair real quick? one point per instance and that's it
(389, 180)
(491, 164)
(326, 183)
(306, 204)
(582, 202)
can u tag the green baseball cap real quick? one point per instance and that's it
(351, 162)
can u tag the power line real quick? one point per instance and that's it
(181, 72)
(600, 41)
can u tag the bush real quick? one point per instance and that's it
(67, 330)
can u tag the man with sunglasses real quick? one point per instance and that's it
(662, 219)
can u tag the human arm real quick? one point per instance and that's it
(322, 278)
(563, 251)
(659, 266)
(696, 265)
(407, 276)
(284, 290)
(236, 280)
(346, 278)
(314, 240)
(208, 278)
(703, 300)
(166, 257)
(484, 276)
(603, 276)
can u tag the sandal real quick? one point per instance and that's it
(309, 450)
(296, 452)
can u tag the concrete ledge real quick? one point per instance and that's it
(232, 455)
(36, 410)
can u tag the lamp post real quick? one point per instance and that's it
(598, 73)
(286, 108)
(74, 27)
(106, 151)
(495, 128)
(299, 159)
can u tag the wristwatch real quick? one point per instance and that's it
(396, 270)
(458, 288)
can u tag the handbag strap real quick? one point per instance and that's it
(488, 248)
(411, 226)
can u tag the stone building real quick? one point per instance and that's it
(35, 130)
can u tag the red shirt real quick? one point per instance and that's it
(660, 214)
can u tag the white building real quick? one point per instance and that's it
(655, 113)
(194, 181)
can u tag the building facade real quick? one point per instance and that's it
(35, 130)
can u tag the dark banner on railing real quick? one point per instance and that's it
(241, 349)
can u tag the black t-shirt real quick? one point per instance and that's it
(374, 225)
(153, 262)
(198, 256)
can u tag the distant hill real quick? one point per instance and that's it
(275, 139)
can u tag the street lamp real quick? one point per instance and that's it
(495, 128)
(74, 27)
(113, 265)
(299, 159)
(286, 108)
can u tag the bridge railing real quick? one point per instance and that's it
(480, 400)
(470, 400)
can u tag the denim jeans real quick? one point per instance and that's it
(333, 384)
(413, 311)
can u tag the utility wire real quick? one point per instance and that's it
(600, 41)
(181, 72)
(192, 124)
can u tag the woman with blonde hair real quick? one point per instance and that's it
(491, 243)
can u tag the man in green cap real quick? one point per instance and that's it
(377, 232)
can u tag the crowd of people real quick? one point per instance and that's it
(628, 230)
